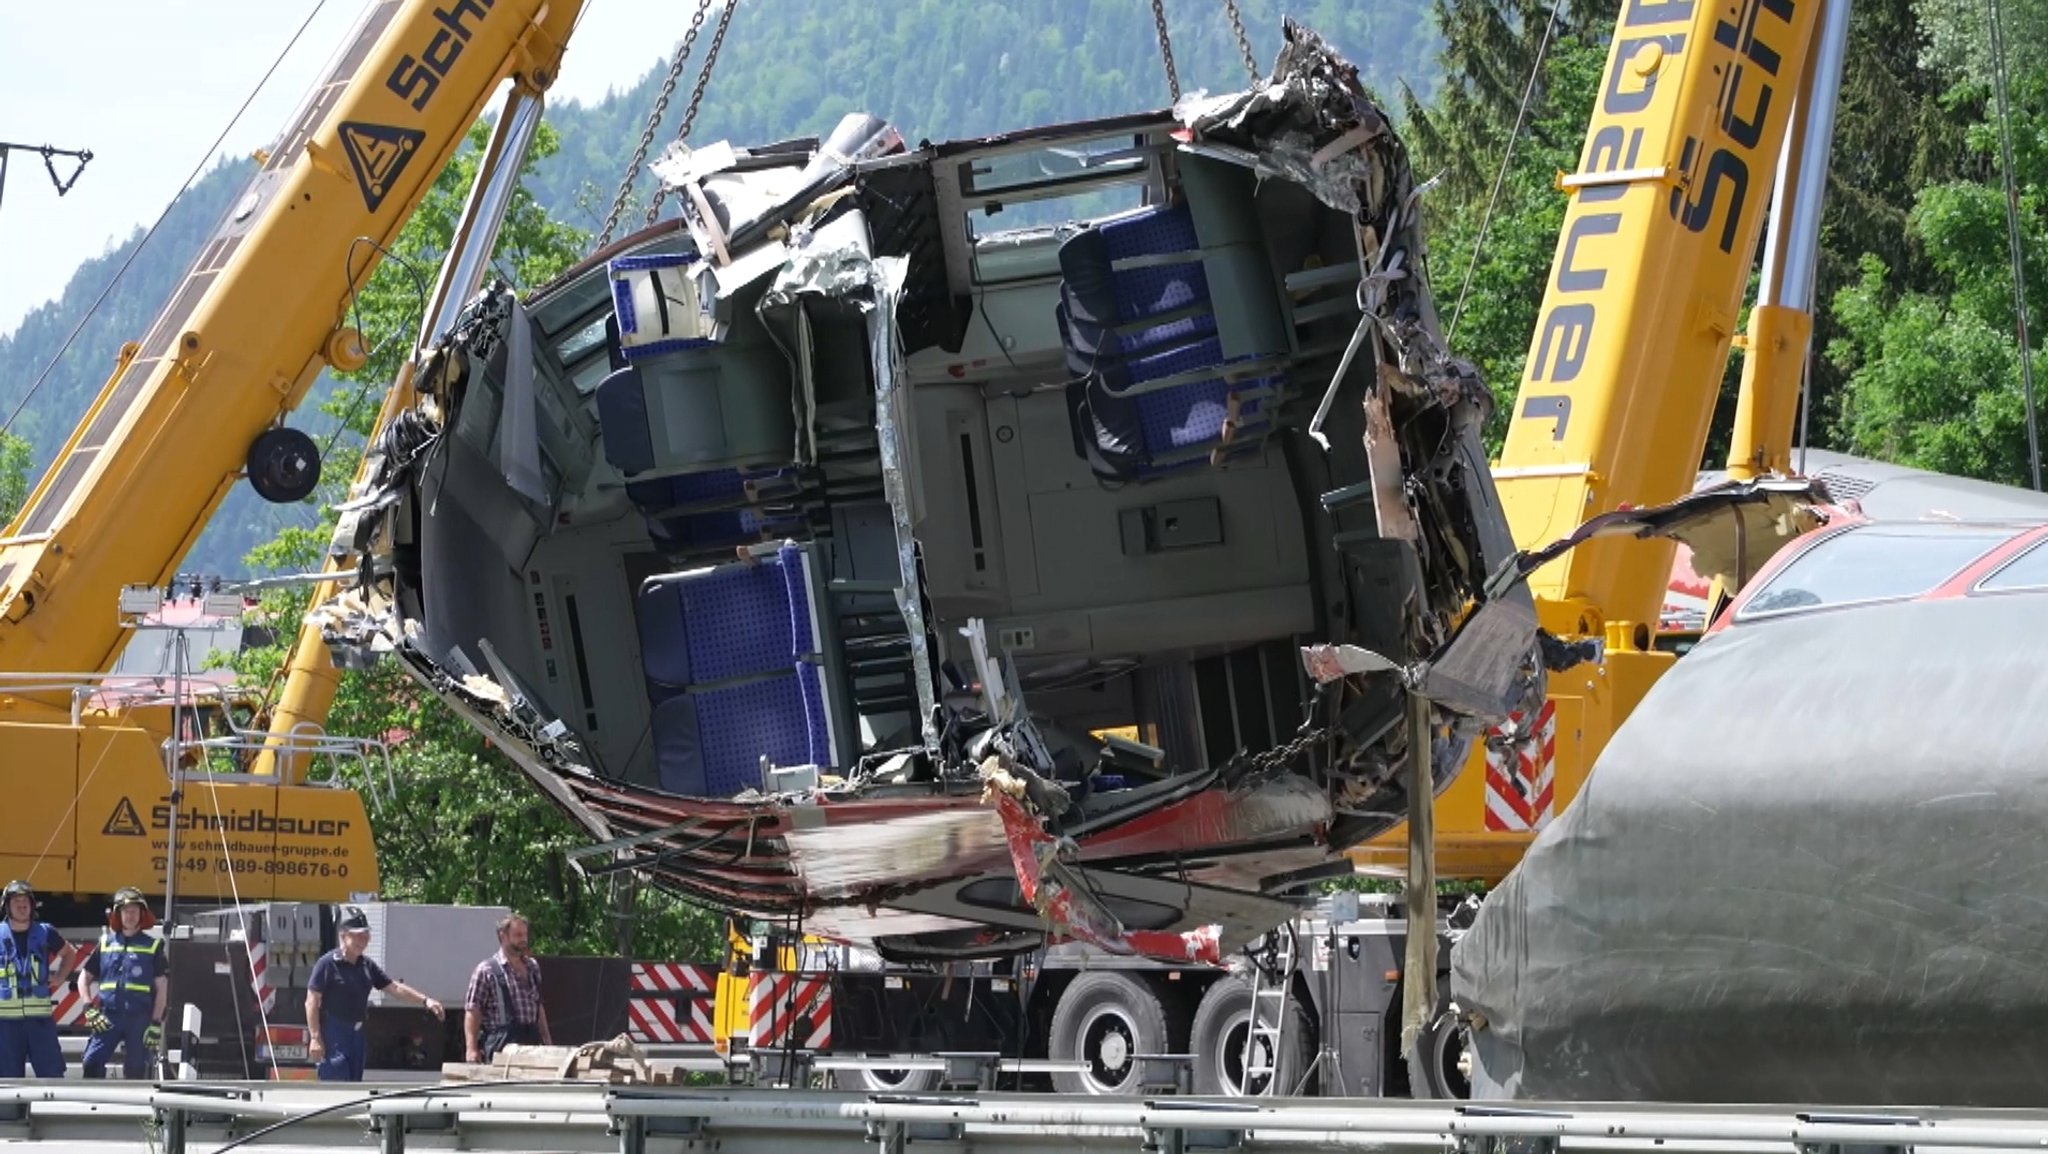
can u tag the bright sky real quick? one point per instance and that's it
(147, 85)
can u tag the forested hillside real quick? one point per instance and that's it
(788, 68)
(1915, 352)
(939, 70)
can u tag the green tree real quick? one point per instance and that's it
(1491, 83)
(14, 478)
(459, 823)
(1897, 130)
(1902, 127)
(1492, 285)
(1926, 344)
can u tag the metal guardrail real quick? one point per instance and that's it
(178, 1117)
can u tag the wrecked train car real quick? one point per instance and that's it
(1807, 868)
(800, 546)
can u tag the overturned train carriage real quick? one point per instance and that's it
(798, 545)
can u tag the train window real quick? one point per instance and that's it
(2029, 570)
(1873, 563)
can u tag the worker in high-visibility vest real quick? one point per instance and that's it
(126, 1010)
(34, 960)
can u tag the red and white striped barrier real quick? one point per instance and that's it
(1521, 778)
(70, 1007)
(782, 1005)
(671, 1002)
(259, 979)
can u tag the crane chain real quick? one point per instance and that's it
(1166, 48)
(668, 87)
(1244, 43)
(696, 96)
(1281, 756)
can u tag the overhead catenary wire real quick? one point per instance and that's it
(211, 151)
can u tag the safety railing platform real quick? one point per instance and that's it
(179, 1118)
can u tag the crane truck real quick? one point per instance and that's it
(195, 405)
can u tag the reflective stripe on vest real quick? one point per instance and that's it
(25, 982)
(122, 964)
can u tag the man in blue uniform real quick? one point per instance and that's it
(34, 960)
(338, 1001)
(126, 1011)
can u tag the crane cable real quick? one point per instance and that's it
(2012, 228)
(696, 98)
(668, 87)
(1506, 159)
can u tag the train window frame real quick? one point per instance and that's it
(1989, 539)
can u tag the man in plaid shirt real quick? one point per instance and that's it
(503, 1004)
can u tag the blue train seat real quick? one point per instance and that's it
(1153, 391)
(732, 658)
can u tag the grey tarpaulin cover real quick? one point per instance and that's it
(1811, 867)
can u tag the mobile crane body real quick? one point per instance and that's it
(196, 404)
(1702, 110)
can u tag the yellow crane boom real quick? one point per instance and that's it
(193, 406)
(1686, 140)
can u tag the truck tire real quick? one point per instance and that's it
(885, 1081)
(1222, 1027)
(1443, 1072)
(1106, 1020)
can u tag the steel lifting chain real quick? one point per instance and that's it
(668, 87)
(1281, 756)
(1165, 48)
(1244, 43)
(696, 94)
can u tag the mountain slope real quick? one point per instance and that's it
(788, 68)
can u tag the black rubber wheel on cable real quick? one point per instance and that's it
(1106, 1020)
(284, 465)
(886, 1081)
(1221, 1031)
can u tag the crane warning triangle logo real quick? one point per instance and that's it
(124, 821)
(378, 153)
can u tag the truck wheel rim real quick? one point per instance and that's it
(890, 1079)
(1231, 1061)
(1108, 1040)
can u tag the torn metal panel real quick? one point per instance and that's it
(1310, 123)
(1064, 900)
(1484, 671)
(1733, 528)
(518, 447)
(892, 430)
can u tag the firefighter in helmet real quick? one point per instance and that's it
(124, 984)
(34, 960)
